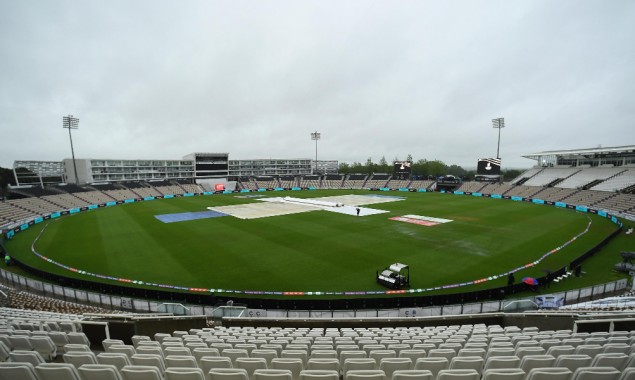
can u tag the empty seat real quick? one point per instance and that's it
(183, 373)
(294, 365)
(272, 374)
(111, 342)
(324, 364)
(472, 352)
(141, 372)
(127, 349)
(617, 361)
(365, 375)
(573, 362)
(180, 361)
(390, 365)
(588, 349)
(99, 372)
(553, 373)
(20, 342)
(358, 364)
(210, 362)
(468, 362)
(556, 351)
(79, 358)
(45, 346)
(502, 362)
(447, 353)
(227, 374)
(523, 351)
(13, 371)
(147, 360)
(32, 357)
(596, 373)
(57, 371)
(232, 354)
(414, 374)
(117, 359)
(142, 349)
(78, 338)
(319, 374)
(434, 364)
(536, 361)
(462, 374)
(251, 364)
(503, 374)
(628, 373)
(199, 352)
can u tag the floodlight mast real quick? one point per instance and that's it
(315, 136)
(498, 123)
(69, 122)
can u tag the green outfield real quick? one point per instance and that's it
(312, 251)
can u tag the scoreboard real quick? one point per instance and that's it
(488, 166)
(402, 169)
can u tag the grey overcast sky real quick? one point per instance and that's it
(160, 79)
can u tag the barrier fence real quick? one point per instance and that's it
(138, 305)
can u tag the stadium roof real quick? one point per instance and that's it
(582, 152)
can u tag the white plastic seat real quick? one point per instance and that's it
(556, 351)
(127, 349)
(573, 362)
(199, 352)
(628, 373)
(99, 372)
(536, 361)
(117, 359)
(588, 349)
(611, 348)
(32, 357)
(468, 362)
(180, 361)
(294, 365)
(458, 374)
(502, 362)
(616, 360)
(264, 353)
(358, 364)
(251, 364)
(596, 373)
(20, 342)
(434, 364)
(210, 362)
(524, 351)
(232, 354)
(413, 374)
(503, 374)
(136, 339)
(319, 374)
(503, 351)
(22, 371)
(301, 354)
(59, 339)
(79, 358)
(272, 374)
(142, 349)
(390, 365)
(176, 350)
(72, 347)
(183, 373)
(57, 371)
(147, 360)
(111, 342)
(227, 374)
(412, 354)
(78, 338)
(447, 353)
(373, 374)
(324, 354)
(324, 364)
(45, 346)
(549, 373)
(472, 352)
(4, 352)
(141, 372)
(378, 355)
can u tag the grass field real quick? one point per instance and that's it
(312, 251)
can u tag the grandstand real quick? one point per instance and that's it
(96, 337)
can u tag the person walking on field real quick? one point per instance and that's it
(358, 210)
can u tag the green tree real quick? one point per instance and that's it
(344, 168)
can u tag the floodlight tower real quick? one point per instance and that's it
(498, 123)
(315, 136)
(69, 122)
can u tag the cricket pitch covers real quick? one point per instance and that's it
(275, 206)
